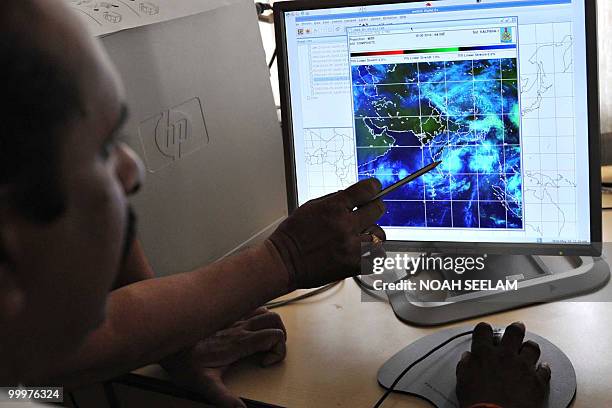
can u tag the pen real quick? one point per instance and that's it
(406, 180)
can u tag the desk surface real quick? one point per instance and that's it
(336, 344)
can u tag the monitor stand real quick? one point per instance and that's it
(434, 379)
(539, 278)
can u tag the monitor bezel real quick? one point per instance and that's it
(591, 249)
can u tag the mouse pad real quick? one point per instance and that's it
(434, 379)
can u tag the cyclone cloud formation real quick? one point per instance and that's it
(466, 114)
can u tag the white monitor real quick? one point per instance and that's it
(503, 92)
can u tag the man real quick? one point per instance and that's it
(66, 233)
(63, 219)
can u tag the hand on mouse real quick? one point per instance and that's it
(321, 241)
(502, 372)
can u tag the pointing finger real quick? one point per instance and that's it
(367, 215)
(360, 193)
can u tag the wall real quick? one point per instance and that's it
(605, 75)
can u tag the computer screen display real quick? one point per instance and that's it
(495, 89)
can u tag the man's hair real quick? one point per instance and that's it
(40, 98)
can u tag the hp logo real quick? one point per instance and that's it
(173, 134)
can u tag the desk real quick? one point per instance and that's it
(336, 344)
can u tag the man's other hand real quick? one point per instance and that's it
(321, 241)
(201, 368)
(503, 372)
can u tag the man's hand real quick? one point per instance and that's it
(201, 367)
(502, 372)
(321, 241)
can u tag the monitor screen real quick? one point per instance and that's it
(495, 89)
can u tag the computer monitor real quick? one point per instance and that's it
(503, 92)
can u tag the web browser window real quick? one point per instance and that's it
(496, 90)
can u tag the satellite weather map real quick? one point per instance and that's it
(465, 113)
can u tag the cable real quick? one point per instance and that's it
(262, 7)
(272, 59)
(363, 284)
(279, 303)
(403, 373)
(366, 287)
(369, 289)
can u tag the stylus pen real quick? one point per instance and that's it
(406, 180)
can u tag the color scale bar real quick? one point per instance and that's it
(433, 50)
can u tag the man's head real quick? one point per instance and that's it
(63, 183)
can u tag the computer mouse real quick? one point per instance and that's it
(497, 335)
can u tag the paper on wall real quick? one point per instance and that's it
(106, 17)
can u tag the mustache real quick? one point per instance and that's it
(130, 234)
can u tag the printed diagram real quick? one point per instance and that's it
(330, 157)
(542, 79)
(548, 129)
(146, 7)
(544, 191)
(112, 17)
(114, 12)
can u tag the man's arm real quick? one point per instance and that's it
(135, 269)
(201, 366)
(151, 319)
